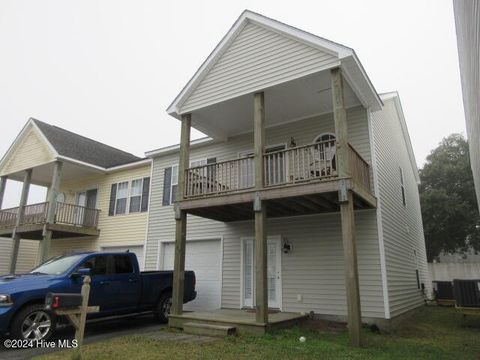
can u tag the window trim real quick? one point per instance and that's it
(171, 182)
(139, 195)
(315, 140)
(129, 196)
(127, 202)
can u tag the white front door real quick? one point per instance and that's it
(274, 272)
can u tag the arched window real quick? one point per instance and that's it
(324, 137)
(325, 153)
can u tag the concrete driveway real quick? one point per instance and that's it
(97, 331)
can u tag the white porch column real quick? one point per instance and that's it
(52, 206)
(21, 209)
(3, 185)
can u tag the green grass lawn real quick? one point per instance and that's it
(433, 333)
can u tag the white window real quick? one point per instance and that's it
(402, 186)
(136, 195)
(121, 201)
(174, 184)
(195, 163)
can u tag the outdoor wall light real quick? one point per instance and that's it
(286, 248)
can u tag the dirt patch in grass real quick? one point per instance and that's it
(324, 326)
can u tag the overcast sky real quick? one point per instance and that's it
(109, 69)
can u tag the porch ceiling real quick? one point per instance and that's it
(289, 101)
(42, 174)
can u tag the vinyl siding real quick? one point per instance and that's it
(467, 20)
(129, 229)
(314, 269)
(31, 151)
(27, 255)
(257, 58)
(402, 225)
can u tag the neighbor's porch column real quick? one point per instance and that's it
(260, 212)
(346, 210)
(52, 206)
(21, 209)
(3, 185)
(181, 220)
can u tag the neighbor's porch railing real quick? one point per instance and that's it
(68, 214)
(284, 167)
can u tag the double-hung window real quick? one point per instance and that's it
(128, 197)
(136, 195)
(122, 196)
(174, 184)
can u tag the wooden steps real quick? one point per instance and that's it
(208, 329)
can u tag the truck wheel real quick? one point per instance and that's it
(162, 309)
(33, 323)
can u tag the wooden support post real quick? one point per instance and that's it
(346, 211)
(52, 206)
(21, 210)
(181, 220)
(3, 185)
(261, 280)
(351, 271)
(340, 120)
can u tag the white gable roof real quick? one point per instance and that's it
(197, 94)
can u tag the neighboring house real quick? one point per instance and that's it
(282, 172)
(448, 267)
(467, 20)
(97, 199)
(27, 255)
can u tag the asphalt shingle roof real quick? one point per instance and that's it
(80, 148)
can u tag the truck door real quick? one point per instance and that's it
(125, 284)
(101, 281)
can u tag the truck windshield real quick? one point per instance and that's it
(58, 265)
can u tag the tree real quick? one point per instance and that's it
(447, 196)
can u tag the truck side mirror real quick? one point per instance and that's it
(81, 272)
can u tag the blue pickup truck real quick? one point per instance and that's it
(118, 288)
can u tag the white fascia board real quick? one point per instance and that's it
(78, 162)
(103, 169)
(129, 165)
(174, 148)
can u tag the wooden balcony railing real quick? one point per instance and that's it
(295, 165)
(68, 214)
(300, 164)
(221, 177)
(359, 168)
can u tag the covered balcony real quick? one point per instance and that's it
(297, 181)
(69, 221)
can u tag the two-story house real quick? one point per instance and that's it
(97, 197)
(303, 199)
